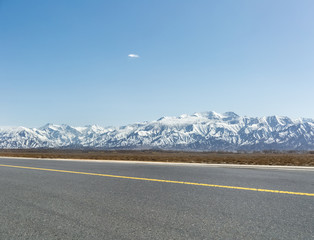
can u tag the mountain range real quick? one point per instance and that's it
(206, 131)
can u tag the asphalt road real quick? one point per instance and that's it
(46, 204)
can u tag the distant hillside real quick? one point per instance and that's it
(208, 131)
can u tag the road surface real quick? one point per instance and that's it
(52, 199)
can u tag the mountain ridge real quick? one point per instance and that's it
(204, 131)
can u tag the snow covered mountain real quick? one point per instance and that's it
(208, 131)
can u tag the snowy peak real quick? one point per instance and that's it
(228, 116)
(210, 115)
(206, 131)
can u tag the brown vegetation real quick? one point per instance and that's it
(262, 158)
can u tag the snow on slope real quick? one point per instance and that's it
(209, 131)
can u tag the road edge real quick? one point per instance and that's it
(306, 168)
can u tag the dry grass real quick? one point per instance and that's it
(289, 159)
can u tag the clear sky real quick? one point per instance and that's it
(67, 61)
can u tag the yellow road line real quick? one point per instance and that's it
(161, 180)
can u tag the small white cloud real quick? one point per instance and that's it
(133, 56)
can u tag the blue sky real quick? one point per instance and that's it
(67, 61)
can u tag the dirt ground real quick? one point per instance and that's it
(262, 158)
